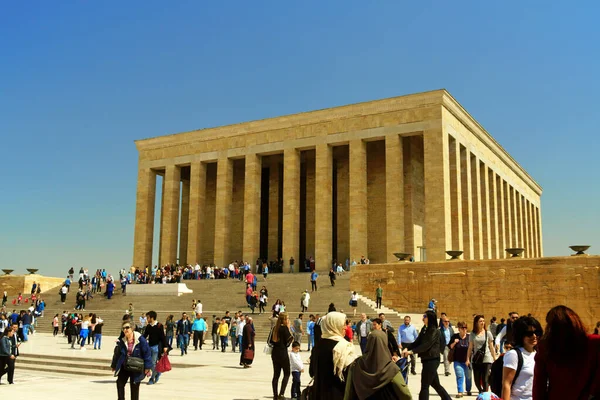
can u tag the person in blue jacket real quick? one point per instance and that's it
(132, 344)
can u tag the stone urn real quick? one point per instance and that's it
(515, 251)
(455, 254)
(32, 271)
(7, 271)
(402, 256)
(579, 249)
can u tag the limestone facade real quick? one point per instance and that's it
(489, 287)
(414, 174)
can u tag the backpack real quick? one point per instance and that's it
(496, 372)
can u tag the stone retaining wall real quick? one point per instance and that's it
(15, 284)
(491, 287)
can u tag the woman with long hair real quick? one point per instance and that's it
(526, 333)
(568, 359)
(281, 340)
(330, 359)
(427, 346)
(481, 353)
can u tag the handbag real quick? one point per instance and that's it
(268, 349)
(248, 354)
(163, 365)
(134, 364)
(451, 354)
(307, 393)
(480, 354)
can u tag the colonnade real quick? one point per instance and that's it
(467, 205)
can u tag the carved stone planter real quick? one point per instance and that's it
(455, 254)
(32, 271)
(402, 256)
(515, 251)
(7, 271)
(579, 249)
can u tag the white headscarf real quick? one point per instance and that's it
(332, 327)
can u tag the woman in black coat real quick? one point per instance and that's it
(281, 340)
(247, 344)
(427, 346)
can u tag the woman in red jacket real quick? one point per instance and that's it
(568, 360)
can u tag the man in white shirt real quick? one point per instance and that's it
(240, 330)
(198, 309)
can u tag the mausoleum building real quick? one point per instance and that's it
(414, 174)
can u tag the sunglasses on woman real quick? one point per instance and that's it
(126, 327)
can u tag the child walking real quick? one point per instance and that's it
(297, 368)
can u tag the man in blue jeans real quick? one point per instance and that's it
(240, 330)
(155, 335)
(184, 329)
(26, 320)
(363, 328)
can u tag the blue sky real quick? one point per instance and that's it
(80, 81)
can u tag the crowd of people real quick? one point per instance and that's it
(515, 359)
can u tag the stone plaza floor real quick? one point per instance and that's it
(218, 375)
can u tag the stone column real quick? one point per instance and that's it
(513, 218)
(534, 231)
(323, 205)
(539, 230)
(467, 203)
(521, 218)
(456, 196)
(185, 215)
(358, 199)
(485, 211)
(170, 215)
(477, 220)
(493, 199)
(196, 211)
(223, 211)
(291, 206)
(438, 236)
(526, 228)
(510, 221)
(502, 228)
(144, 218)
(394, 196)
(252, 185)
(273, 236)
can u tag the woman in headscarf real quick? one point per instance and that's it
(330, 358)
(374, 375)
(427, 346)
(247, 343)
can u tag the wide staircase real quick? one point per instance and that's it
(218, 296)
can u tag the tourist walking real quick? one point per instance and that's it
(132, 350)
(332, 276)
(362, 330)
(304, 301)
(375, 375)
(447, 332)
(427, 346)
(481, 353)
(378, 296)
(199, 327)
(568, 359)
(184, 329)
(247, 348)
(281, 339)
(313, 280)
(154, 333)
(169, 330)
(330, 359)
(354, 302)
(459, 346)
(519, 363)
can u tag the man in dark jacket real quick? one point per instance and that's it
(155, 335)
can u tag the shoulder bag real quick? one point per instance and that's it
(479, 356)
(268, 349)
(134, 364)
